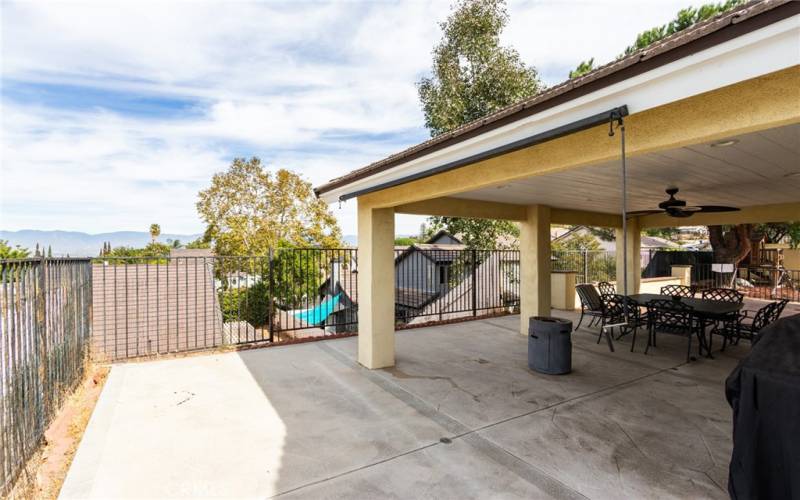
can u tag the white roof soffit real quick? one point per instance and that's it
(760, 52)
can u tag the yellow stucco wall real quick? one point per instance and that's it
(562, 288)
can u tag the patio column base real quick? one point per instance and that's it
(534, 261)
(375, 287)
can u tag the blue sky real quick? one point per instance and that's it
(115, 114)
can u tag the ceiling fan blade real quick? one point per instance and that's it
(637, 213)
(716, 208)
(679, 212)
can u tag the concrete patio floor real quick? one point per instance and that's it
(306, 421)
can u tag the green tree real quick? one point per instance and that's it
(477, 233)
(248, 210)
(663, 232)
(15, 252)
(582, 68)
(576, 242)
(793, 234)
(155, 232)
(405, 241)
(199, 243)
(473, 75)
(683, 19)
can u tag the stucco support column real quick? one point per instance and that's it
(375, 287)
(534, 261)
(634, 237)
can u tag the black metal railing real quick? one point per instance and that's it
(44, 335)
(433, 285)
(145, 306)
(591, 266)
(762, 282)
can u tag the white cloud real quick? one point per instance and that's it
(318, 88)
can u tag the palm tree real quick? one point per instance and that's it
(155, 231)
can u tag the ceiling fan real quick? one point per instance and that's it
(678, 208)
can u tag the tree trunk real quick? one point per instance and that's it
(730, 246)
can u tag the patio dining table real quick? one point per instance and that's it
(703, 309)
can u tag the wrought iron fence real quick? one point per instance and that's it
(761, 282)
(44, 333)
(591, 266)
(156, 305)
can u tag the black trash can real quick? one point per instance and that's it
(550, 345)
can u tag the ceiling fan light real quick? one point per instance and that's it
(725, 143)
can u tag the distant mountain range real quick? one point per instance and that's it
(77, 244)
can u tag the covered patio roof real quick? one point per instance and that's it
(713, 110)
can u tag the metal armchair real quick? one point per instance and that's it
(678, 291)
(674, 317)
(591, 304)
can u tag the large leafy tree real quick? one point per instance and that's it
(474, 75)
(682, 20)
(248, 210)
(15, 252)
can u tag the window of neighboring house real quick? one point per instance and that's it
(442, 275)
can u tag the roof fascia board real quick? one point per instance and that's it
(748, 56)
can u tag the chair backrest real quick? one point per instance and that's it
(723, 295)
(606, 288)
(590, 299)
(678, 290)
(776, 311)
(764, 316)
(670, 312)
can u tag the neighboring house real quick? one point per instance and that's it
(191, 252)
(496, 289)
(423, 272)
(426, 267)
(564, 234)
(238, 280)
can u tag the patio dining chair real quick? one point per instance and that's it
(606, 288)
(678, 291)
(750, 327)
(591, 304)
(613, 313)
(623, 311)
(673, 317)
(723, 295)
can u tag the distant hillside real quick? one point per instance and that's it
(77, 244)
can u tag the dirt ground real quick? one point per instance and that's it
(45, 472)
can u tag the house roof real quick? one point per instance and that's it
(719, 29)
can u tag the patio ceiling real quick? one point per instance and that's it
(760, 168)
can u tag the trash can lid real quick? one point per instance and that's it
(550, 319)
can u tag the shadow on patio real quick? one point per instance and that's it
(622, 424)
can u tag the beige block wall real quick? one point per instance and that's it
(791, 258)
